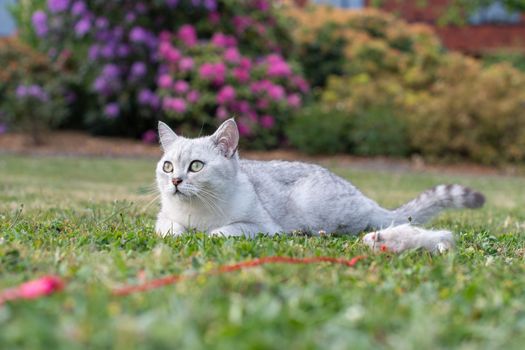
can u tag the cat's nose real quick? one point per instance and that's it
(176, 181)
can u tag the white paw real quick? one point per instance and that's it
(228, 232)
(166, 228)
(400, 238)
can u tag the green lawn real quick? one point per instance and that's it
(88, 220)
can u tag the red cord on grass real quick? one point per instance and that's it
(47, 285)
(33, 289)
(164, 281)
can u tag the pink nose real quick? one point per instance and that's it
(176, 181)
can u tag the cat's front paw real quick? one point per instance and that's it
(398, 239)
(227, 232)
(165, 227)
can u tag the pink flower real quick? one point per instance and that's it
(207, 71)
(294, 100)
(277, 66)
(220, 72)
(214, 17)
(164, 36)
(300, 83)
(226, 94)
(181, 86)
(267, 121)
(173, 55)
(241, 23)
(263, 104)
(242, 75)
(149, 136)
(259, 86)
(188, 35)
(213, 71)
(193, 96)
(165, 81)
(232, 55)
(186, 64)
(164, 48)
(262, 5)
(175, 104)
(252, 115)
(244, 107)
(222, 113)
(40, 287)
(246, 63)
(222, 40)
(276, 92)
(244, 129)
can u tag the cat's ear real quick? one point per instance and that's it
(166, 136)
(226, 138)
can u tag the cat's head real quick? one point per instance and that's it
(202, 168)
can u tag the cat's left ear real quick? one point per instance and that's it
(166, 136)
(226, 138)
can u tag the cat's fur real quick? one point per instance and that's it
(234, 197)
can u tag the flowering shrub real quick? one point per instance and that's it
(118, 51)
(29, 99)
(206, 79)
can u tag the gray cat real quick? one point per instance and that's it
(205, 186)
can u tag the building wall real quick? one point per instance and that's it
(471, 38)
(480, 36)
(413, 12)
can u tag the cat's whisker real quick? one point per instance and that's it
(211, 194)
(146, 207)
(210, 203)
(150, 189)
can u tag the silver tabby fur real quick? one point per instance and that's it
(234, 197)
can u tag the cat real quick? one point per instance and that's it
(205, 186)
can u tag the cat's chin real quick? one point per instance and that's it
(178, 195)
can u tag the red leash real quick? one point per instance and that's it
(164, 281)
(50, 284)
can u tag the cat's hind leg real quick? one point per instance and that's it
(408, 237)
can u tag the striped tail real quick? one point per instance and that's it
(433, 201)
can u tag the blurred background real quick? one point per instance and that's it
(440, 79)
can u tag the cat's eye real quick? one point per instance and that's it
(167, 167)
(196, 166)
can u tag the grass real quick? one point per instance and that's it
(87, 220)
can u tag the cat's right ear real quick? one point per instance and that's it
(226, 138)
(166, 136)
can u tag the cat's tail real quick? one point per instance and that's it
(433, 201)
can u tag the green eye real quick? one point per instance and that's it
(167, 167)
(196, 166)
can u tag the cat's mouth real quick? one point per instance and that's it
(177, 192)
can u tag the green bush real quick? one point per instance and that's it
(336, 41)
(471, 112)
(369, 132)
(319, 130)
(30, 95)
(402, 93)
(324, 56)
(378, 131)
(516, 59)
